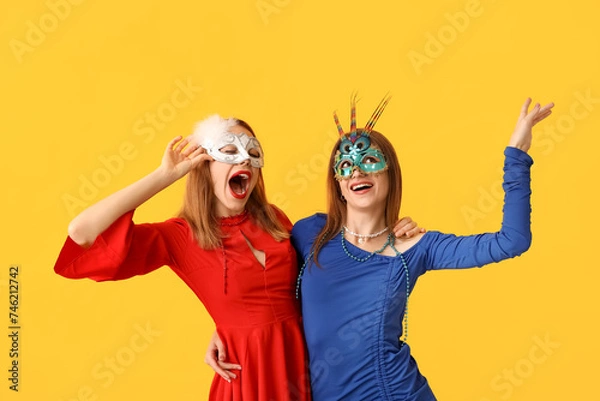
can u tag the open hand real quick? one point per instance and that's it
(181, 156)
(521, 137)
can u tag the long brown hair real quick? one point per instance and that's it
(336, 207)
(199, 206)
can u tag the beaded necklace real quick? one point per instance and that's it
(362, 238)
(301, 272)
(405, 266)
(389, 242)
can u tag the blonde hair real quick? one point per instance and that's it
(200, 213)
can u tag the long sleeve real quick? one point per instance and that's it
(514, 237)
(125, 250)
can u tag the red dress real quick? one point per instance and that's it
(254, 308)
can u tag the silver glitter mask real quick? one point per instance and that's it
(233, 148)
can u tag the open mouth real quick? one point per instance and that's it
(239, 184)
(361, 186)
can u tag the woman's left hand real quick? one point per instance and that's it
(406, 228)
(521, 137)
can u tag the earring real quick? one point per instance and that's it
(342, 198)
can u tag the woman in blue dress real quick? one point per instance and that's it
(356, 277)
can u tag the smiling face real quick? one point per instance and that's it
(233, 183)
(361, 170)
(357, 153)
(382, 190)
(365, 186)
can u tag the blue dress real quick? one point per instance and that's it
(353, 311)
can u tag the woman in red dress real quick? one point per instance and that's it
(228, 245)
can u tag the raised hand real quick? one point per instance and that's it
(521, 137)
(181, 156)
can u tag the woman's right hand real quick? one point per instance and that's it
(215, 358)
(181, 156)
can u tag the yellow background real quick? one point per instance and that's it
(83, 90)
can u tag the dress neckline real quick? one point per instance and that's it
(235, 220)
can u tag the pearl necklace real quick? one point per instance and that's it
(370, 255)
(362, 238)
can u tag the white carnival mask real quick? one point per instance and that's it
(224, 146)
